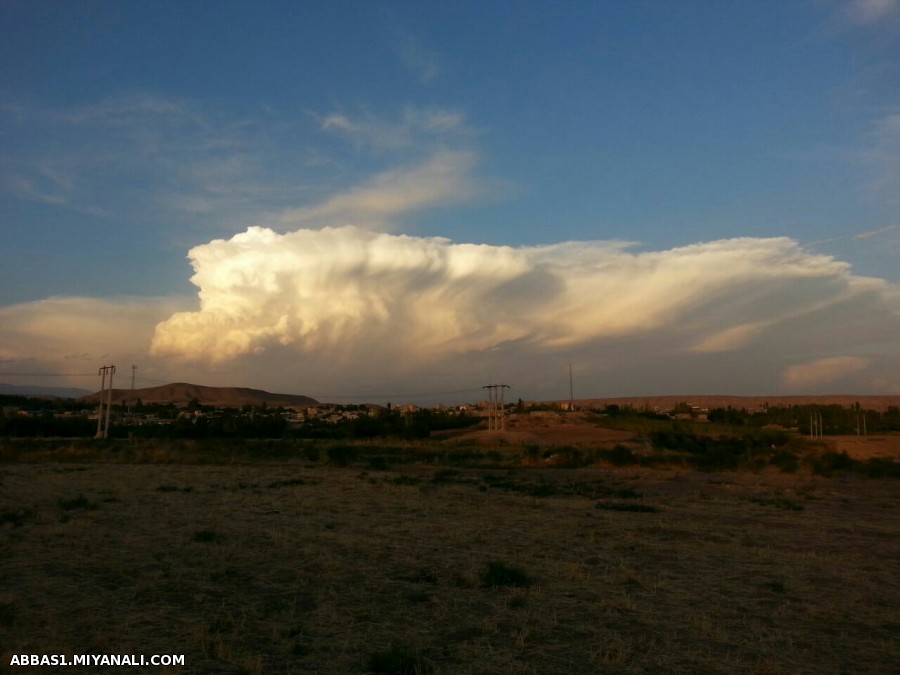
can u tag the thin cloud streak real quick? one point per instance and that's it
(865, 12)
(440, 180)
(823, 370)
(875, 233)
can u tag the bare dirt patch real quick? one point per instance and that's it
(867, 447)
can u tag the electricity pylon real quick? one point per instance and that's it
(496, 418)
(103, 430)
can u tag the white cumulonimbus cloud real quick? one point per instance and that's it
(354, 296)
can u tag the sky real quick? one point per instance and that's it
(405, 201)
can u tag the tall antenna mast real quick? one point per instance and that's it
(571, 391)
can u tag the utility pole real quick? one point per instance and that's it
(112, 371)
(490, 389)
(103, 430)
(502, 407)
(101, 372)
(571, 391)
(133, 400)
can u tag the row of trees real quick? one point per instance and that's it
(23, 417)
(835, 419)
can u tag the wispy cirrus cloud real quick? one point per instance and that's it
(138, 155)
(441, 179)
(422, 62)
(882, 154)
(824, 370)
(865, 12)
(415, 127)
(150, 159)
(863, 236)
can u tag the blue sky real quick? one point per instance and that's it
(486, 165)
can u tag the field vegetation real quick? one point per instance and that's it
(684, 548)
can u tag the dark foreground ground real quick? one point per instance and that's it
(304, 567)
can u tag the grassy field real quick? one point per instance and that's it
(297, 564)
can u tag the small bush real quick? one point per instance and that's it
(378, 463)
(206, 536)
(290, 482)
(627, 493)
(342, 455)
(7, 614)
(828, 463)
(879, 467)
(406, 480)
(80, 502)
(784, 460)
(778, 503)
(445, 476)
(398, 660)
(173, 488)
(632, 508)
(16, 518)
(499, 574)
(619, 456)
(775, 587)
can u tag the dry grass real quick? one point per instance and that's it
(295, 567)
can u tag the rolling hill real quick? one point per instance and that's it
(182, 393)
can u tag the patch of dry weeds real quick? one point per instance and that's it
(290, 568)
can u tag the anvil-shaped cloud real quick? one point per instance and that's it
(364, 297)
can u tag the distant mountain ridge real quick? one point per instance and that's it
(37, 391)
(182, 393)
(866, 401)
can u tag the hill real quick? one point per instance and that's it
(182, 393)
(35, 391)
(880, 403)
